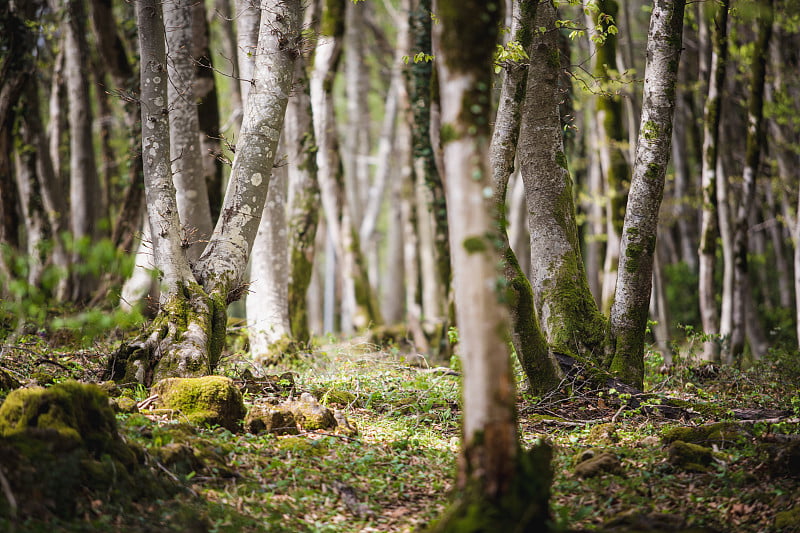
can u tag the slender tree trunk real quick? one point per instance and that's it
(493, 473)
(632, 299)
(568, 314)
(542, 372)
(304, 202)
(231, 57)
(709, 228)
(268, 295)
(184, 130)
(248, 16)
(84, 183)
(755, 127)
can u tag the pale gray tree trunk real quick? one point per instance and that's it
(84, 183)
(57, 123)
(568, 314)
(394, 286)
(632, 299)
(184, 130)
(248, 17)
(230, 55)
(709, 229)
(494, 475)
(187, 336)
(268, 294)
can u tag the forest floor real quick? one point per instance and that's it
(397, 472)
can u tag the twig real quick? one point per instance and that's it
(12, 501)
(621, 408)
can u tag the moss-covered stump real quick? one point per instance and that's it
(280, 351)
(523, 507)
(210, 400)
(270, 419)
(61, 455)
(689, 457)
(595, 462)
(720, 433)
(179, 458)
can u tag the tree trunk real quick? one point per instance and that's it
(755, 114)
(632, 299)
(187, 336)
(184, 130)
(494, 482)
(304, 203)
(84, 183)
(568, 314)
(529, 343)
(709, 225)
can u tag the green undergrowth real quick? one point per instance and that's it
(397, 472)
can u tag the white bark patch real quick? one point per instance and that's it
(159, 101)
(257, 179)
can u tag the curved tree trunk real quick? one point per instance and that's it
(568, 314)
(709, 231)
(632, 299)
(529, 343)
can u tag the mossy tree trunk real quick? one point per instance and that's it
(568, 314)
(493, 485)
(186, 337)
(529, 343)
(304, 203)
(709, 229)
(634, 282)
(741, 226)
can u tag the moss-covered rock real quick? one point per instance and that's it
(596, 462)
(334, 396)
(271, 419)
(720, 433)
(310, 414)
(689, 457)
(302, 445)
(179, 458)
(210, 400)
(788, 520)
(124, 404)
(602, 435)
(62, 455)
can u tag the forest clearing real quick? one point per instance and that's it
(399, 265)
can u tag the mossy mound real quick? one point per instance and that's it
(7, 381)
(62, 456)
(270, 419)
(310, 414)
(595, 462)
(210, 400)
(690, 457)
(788, 520)
(720, 433)
(602, 435)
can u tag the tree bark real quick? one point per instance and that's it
(568, 314)
(493, 473)
(84, 183)
(187, 336)
(755, 127)
(632, 299)
(709, 229)
(541, 370)
(184, 129)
